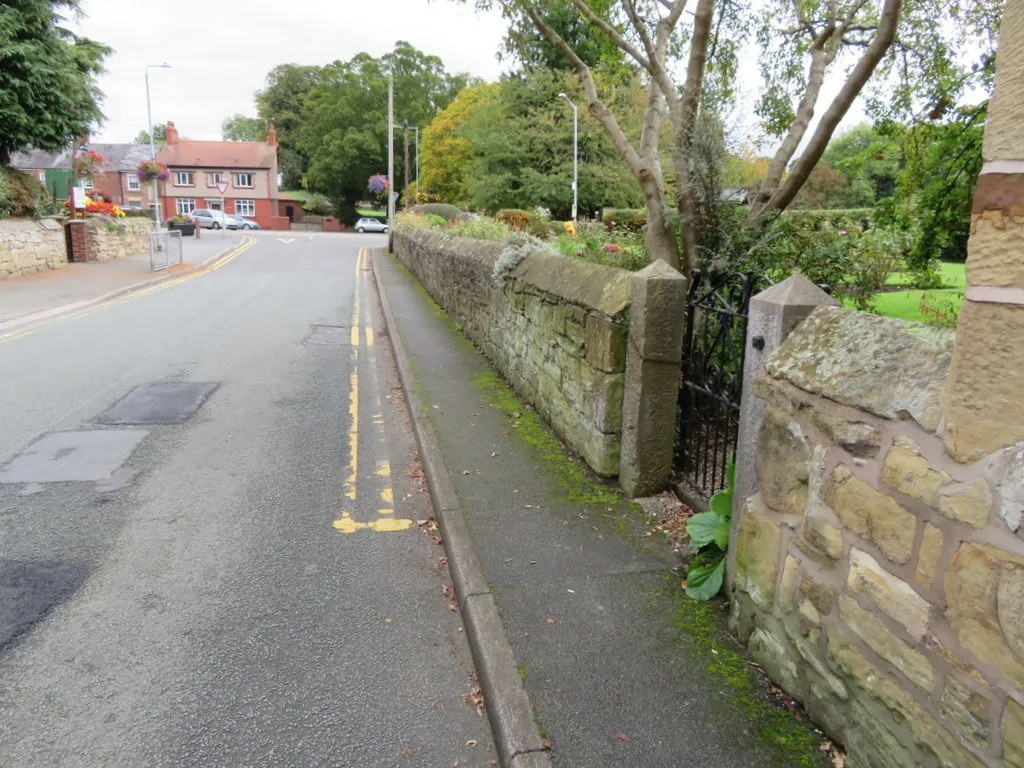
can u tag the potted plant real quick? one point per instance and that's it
(151, 170)
(184, 225)
(87, 164)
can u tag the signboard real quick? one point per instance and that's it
(222, 186)
(78, 197)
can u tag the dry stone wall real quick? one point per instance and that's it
(555, 330)
(117, 238)
(878, 580)
(28, 246)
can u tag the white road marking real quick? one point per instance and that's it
(286, 239)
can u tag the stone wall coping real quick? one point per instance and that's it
(480, 250)
(27, 225)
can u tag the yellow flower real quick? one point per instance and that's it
(570, 228)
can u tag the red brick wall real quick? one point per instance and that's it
(265, 209)
(280, 222)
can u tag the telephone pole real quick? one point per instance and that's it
(391, 162)
(408, 181)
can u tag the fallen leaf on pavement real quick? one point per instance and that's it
(437, 539)
(387, 621)
(550, 621)
(442, 562)
(449, 592)
(622, 737)
(493, 454)
(475, 697)
(452, 607)
(472, 743)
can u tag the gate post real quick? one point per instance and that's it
(653, 353)
(774, 313)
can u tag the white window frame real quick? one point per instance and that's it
(41, 175)
(183, 206)
(187, 175)
(134, 185)
(240, 185)
(213, 178)
(135, 205)
(248, 205)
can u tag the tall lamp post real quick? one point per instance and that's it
(152, 144)
(575, 152)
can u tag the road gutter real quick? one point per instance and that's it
(509, 710)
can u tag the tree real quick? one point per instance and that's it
(446, 153)
(521, 142)
(869, 160)
(159, 135)
(343, 120)
(48, 92)
(283, 103)
(242, 128)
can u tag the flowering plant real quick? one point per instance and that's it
(100, 207)
(611, 247)
(87, 164)
(151, 170)
(379, 183)
(100, 195)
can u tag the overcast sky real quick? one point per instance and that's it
(220, 50)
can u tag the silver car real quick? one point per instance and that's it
(240, 222)
(209, 219)
(371, 225)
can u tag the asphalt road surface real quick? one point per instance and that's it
(210, 549)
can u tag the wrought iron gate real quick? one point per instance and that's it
(711, 378)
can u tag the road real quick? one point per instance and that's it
(245, 583)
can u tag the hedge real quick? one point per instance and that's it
(447, 212)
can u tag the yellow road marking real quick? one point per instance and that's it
(383, 525)
(383, 468)
(388, 495)
(369, 336)
(231, 256)
(353, 436)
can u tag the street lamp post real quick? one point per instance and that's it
(575, 152)
(152, 144)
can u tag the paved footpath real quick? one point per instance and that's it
(78, 284)
(616, 667)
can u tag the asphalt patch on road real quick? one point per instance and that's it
(167, 402)
(328, 336)
(73, 457)
(29, 591)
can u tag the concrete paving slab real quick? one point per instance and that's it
(73, 456)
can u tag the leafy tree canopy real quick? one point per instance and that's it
(48, 91)
(283, 102)
(242, 128)
(159, 135)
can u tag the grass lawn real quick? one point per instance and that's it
(374, 214)
(952, 272)
(906, 305)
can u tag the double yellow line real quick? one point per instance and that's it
(245, 245)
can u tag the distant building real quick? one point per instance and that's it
(118, 178)
(248, 167)
(738, 195)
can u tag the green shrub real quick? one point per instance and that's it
(822, 253)
(482, 228)
(840, 218)
(318, 205)
(876, 254)
(20, 194)
(594, 244)
(447, 212)
(514, 218)
(632, 220)
(420, 220)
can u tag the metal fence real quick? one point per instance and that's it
(711, 379)
(165, 249)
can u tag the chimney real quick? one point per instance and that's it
(271, 135)
(172, 133)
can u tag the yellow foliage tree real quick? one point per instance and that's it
(446, 152)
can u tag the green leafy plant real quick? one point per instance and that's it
(420, 220)
(482, 228)
(709, 536)
(447, 212)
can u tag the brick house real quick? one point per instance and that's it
(118, 178)
(249, 168)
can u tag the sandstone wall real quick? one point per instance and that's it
(878, 580)
(28, 246)
(556, 331)
(117, 238)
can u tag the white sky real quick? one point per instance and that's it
(220, 50)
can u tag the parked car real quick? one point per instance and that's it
(240, 222)
(371, 225)
(204, 218)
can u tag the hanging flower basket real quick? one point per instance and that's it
(379, 183)
(87, 164)
(151, 170)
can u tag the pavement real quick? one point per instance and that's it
(77, 285)
(585, 602)
(216, 545)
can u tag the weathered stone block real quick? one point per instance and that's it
(764, 387)
(657, 312)
(1011, 487)
(985, 606)
(993, 254)
(928, 556)
(871, 514)
(824, 537)
(868, 677)
(809, 613)
(894, 597)
(1013, 734)
(767, 650)
(985, 411)
(607, 402)
(908, 471)
(605, 344)
(970, 507)
(782, 463)
(886, 644)
(967, 710)
(789, 584)
(855, 437)
(882, 365)
(758, 551)
(820, 596)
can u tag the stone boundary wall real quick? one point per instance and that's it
(877, 580)
(117, 238)
(28, 246)
(556, 331)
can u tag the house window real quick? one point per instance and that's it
(213, 179)
(87, 184)
(133, 182)
(185, 205)
(135, 204)
(183, 179)
(41, 176)
(245, 207)
(244, 181)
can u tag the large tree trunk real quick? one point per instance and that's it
(660, 240)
